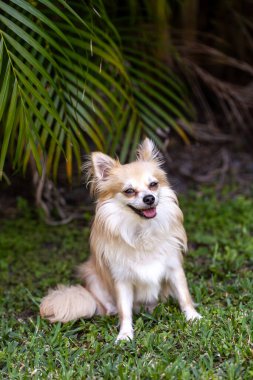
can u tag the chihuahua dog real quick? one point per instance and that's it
(136, 242)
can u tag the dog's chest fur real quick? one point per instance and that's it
(145, 269)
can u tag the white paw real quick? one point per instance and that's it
(192, 315)
(125, 335)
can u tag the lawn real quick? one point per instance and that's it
(219, 270)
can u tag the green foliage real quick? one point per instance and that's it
(68, 77)
(219, 270)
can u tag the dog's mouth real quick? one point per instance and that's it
(148, 213)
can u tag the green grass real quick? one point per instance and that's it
(219, 270)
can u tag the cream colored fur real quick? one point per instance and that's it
(135, 260)
(65, 303)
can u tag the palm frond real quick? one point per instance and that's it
(68, 83)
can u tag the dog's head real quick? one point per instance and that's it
(136, 185)
(135, 201)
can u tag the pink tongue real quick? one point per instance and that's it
(150, 213)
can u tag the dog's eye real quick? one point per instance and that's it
(153, 185)
(129, 191)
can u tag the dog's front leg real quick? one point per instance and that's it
(180, 291)
(124, 293)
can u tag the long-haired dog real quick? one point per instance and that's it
(137, 239)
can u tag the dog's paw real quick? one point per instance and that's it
(110, 309)
(125, 335)
(192, 314)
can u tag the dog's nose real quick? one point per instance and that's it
(149, 199)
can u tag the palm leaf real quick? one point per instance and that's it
(67, 76)
(9, 125)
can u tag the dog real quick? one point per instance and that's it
(137, 243)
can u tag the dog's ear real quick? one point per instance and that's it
(147, 151)
(102, 164)
(97, 169)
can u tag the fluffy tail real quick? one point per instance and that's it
(67, 303)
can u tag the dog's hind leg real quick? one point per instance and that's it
(98, 288)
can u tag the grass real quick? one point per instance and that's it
(219, 270)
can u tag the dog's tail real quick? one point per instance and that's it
(67, 303)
